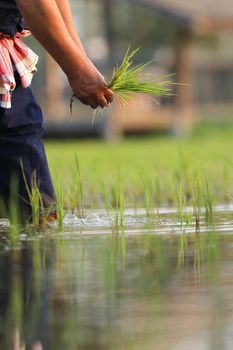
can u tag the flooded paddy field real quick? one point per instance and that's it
(156, 283)
(141, 258)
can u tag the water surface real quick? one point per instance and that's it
(153, 285)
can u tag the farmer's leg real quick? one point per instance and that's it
(21, 128)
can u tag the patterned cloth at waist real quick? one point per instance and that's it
(14, 55)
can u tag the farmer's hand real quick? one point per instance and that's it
(89, 86)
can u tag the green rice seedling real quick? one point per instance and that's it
(129, 78)
(111, 212)
(80, 198)
(118, 200)
(208, 198)
(147, 192)
(121, 202)
(185, 215)
(188, 215)
(197, 200)
(183, 175)
(34, 196)
(60, 205)
(35, 201)
(158, 199)
(116, 205)
(181, 201)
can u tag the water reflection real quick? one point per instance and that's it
(25, 293)
(119, 291)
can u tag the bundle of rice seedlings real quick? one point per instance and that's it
(129, 78)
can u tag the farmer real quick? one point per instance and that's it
(22, 156)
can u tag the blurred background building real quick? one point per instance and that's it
(192, 39)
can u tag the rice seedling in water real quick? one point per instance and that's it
(197, 200)
(158, 199)
(78, 179)
(181, 201)
(148, 193)
(129, 78)
(121, 203)
(119, 199)
(114, 203)
(182, 175)
(38, 211)
(34, 196)
(60, 205)
(208, 198)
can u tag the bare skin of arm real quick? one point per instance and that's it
(65, 11)
(57, 35)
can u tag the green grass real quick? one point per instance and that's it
(146, 172)
(166, 164)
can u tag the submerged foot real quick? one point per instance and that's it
(48, 220)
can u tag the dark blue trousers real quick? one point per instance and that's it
(21, 128)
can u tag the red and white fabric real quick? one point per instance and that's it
(14, 52)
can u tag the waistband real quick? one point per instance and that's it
(11, 23)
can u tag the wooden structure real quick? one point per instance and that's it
(199, 15)
(195, 17)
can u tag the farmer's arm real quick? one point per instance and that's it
(65, 11)
(44, 19)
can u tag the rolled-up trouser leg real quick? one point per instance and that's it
(21, 128)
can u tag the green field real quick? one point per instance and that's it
(146, 171)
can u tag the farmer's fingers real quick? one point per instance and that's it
(83, 100)
(109, 95)
(88, 102)
(101, 101)
(97, 100)
(93, 104)
(101, 98)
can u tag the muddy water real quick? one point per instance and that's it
(155, 285)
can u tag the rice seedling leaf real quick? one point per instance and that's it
(129, 78)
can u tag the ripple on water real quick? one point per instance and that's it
(166, 223)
